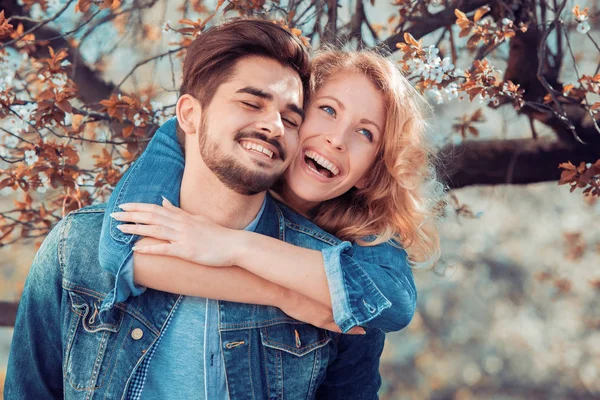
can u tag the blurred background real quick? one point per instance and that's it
(512, 311)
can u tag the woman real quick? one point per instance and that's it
(363, 173)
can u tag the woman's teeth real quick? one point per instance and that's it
(258, 148)
(322, 162)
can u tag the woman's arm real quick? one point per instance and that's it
(370, 285)
(227, 283)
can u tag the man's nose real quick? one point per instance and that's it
(271, 124)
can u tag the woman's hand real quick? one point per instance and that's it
(190, 237)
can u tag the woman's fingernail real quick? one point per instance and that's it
(135, 248)
(124, 206)
(114, 215)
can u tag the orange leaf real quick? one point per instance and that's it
(568, 166)
(480, 13)
(408, 38)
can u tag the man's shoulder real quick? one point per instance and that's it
(78, 236)
(300, 225)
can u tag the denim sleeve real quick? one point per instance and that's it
(354, 373)
(370, 286)
(36, 359)
(158, 172)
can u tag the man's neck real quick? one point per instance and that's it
(202, 193)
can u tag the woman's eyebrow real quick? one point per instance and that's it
(339, 103)
(368, 121)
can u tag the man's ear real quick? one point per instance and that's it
(189, 114)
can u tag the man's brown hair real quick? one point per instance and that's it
(211, 57)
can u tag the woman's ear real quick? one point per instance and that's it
(189, 114)
(362, 182)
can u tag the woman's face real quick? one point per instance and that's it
(339, 141)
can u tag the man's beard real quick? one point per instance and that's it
(230, 172)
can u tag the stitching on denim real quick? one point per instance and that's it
(262, 324)
(279, 373)
(316, 368)
(87, 210)
(222, 352)
(70, 339)
(281, 222)
(250, 364)
(266, 366)
(133, 311)
(98, 363)
(321, 236)
(295, 351)
(120, 195)
(123, 341)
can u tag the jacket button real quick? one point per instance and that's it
(137, 334)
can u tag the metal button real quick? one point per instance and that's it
(137, 334)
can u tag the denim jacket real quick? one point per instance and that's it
(370, 286)
(63, 346)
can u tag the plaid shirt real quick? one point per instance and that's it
(136, 386)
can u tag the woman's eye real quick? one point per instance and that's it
(367, 134)
(328, 110)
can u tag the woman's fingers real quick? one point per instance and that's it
(141, 217)
(163, 249)
(170, 213)
(153, 231)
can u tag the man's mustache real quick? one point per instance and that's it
(261, 136)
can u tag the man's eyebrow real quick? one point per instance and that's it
(268, 96)
(256, 92)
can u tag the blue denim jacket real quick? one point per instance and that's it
(63, 346)
(370, 286)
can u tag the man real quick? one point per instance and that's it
(80, 335)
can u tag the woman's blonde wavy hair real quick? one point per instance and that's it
(402, 195)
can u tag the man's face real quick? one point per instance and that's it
(249, 132)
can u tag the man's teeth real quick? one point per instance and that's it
(258, 148)
(322, 161)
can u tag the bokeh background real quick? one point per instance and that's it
(512, 311)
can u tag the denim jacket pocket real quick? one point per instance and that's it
(296, 358)
(90, 344)
(295, 339)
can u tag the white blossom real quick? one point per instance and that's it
(451, 91)
(432, 53)
(80, 180)
(507, 22)
(583, 27)
(30, 157)
(435, 95)
(26, 111)
(447, 64)
(60, 80)
(11, 141)
(44, 182)
(137, 119)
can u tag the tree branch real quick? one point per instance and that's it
(433, 23)
(516, 161)
(92, 87)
